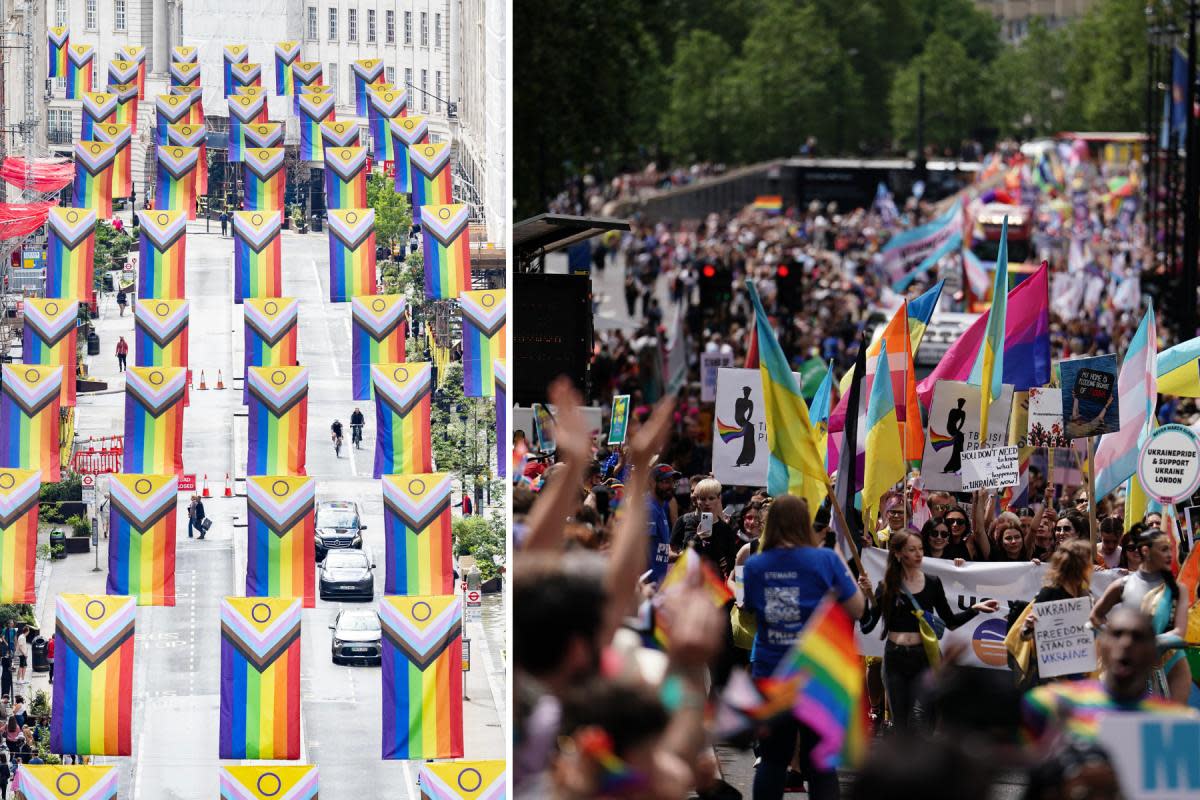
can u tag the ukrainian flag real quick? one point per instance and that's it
(885, 456)
(1179, 369)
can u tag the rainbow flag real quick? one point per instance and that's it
(141, 544)
(92, 706)
(278, 419)
(243, 110)
(257, 269)
(251, 91)
(385, 105)
(173, 109)
(416, 531)
(185, 55)
(988, 371)
(175, 184)
(18, 534)
(193, 97)
(265, 178)
(160, 333)
(232, 54)
(351, 252)
(189, 135)
(339, 133)
(286, 54)
(500, 378)
(269, 783)
(463, 780)
(406, 132)
(260, 135)
(29, 419)
(97, 107)
(260, 678)
(93, 177)
(430, 175)
(245, 74)
(365, 71)
(79, 70)
(122, 72)
(184, 73)
(422, 677)
(281, 520)
(307, 76)
(402, 393)
(270, 332)
(484, 314)
(127, 104)
(70, 244)
(770, 203)
(120, 136)
(377, 333)
(728, 432)
(154, 401)
(345, 176)
(45, 782)
(161, 249)
(59, 41)
(50, 339)
(885, 465)
(444, 231)
(138, 56)
(313, 110)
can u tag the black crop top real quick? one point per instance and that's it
(900, 619)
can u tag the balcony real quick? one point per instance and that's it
(62, 136)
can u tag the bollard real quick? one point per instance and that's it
(228, 486)
(205, 492)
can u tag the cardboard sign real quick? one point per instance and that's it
(1154, 754)
(1064, 643)
(990, 469)
(954, 428)
(1089, 396)
(1046, 427)
(1169, 464)
(618, 424)
(523, 420)
(740, 449)
(710, 363)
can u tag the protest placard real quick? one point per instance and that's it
(618, 424)
(990, 469)
(1169, 464)
(1064, 643)
(954, 429)
(709, 364)
(1089, 397)
(1046, 419)
(1154, 754)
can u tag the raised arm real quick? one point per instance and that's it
(981, 514)
(574, 449)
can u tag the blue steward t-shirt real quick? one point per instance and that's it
(660, 540)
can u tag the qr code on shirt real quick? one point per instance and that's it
(783, 604)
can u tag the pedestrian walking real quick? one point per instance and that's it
(122, 348)
(22, 654)
(122, 299)
(5, 774)
(50, 656)
(197, 517)
(6, 670)
(224, 222)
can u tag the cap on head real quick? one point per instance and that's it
(665, 472)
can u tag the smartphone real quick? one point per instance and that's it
(704, 530)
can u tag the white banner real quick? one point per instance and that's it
(1154, 754)
(740, 447)
(990, 469)
(954, 428)
(1064, 643)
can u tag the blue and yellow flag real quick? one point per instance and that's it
(822, 404)
(988, 372)
(885, 455)
(920, 311)
(1179, 369)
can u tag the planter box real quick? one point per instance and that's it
(79, 544)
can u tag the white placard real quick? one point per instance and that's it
(1169, 464)
(740, 412)
(1065, 645)
(522, 420)
(954, 428)
(709, 364)
(1154, 754)
(1045, 418)
(990, 469)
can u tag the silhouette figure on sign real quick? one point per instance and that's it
(743, 408)
(954, 426)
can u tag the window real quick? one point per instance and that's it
(437, 90)
(437, 30)
(408, 27)
(332, 74)
(408, 79)
(371, 25)
(91, 15)
(389, 21)
(312, 24)
(61, 124)
(424, 89)
(333, 24)
(424, 29)
(60, 12)
(119, 15)
(390, 75)
(352, 25)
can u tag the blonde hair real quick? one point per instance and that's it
(708, 486)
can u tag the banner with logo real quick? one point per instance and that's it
(406, 132)
(463, 780)
(79, 70)
(141, 537)
(447, 250)
(366, 71)
(484, 317)
(286, 54)
(70, 246)
(184, 74)
(265, 177)
(29, 425)
(281, 515)
(97, 107)
(47, 782)
(192, 135)
(345, 176)
(58, 40)
(270, 338)
(278, 420)
(416, 530)
(120, 136)
(160, 333)
(175, 183)
(257, 254)
(265, 783)
(19, 491)
(137, 54)
(127, 104)
(93, 177)
(377, 336)
(154, 402)
(402, 396)
(174, 109)
(385, 105)
(162, 247)
(50, 339)
(313, 110)
(232, 54)
(430, 176)
(243, 110)
(351, 251)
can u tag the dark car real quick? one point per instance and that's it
(356, 637)
(347, 575)
(339, 527)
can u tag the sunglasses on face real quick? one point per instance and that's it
(940, 533)
(938, 506)
(958, 523)
(1063, 528)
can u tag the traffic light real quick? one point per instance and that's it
(715, 285)
(789, 281)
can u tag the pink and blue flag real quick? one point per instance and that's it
(1116, 457)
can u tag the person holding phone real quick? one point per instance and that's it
(706, 529)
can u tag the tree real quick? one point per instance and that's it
(393, 215)
(462, 431)
(1026, 87)
(695, 125)
(953, 94)
(1106, 67)
(481, 537)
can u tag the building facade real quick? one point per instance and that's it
(1014, 16)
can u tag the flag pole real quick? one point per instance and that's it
(1091, 479)
(844, 529)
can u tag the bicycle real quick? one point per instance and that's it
(356, 436)
(337, 445)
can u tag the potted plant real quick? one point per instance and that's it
(79, 539)
(298, 220)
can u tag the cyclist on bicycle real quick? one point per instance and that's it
(336, 429)
(356, 428)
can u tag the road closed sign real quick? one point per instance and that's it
(1169, 464)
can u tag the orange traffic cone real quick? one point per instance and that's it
(205, 492)
(220, 380)
(228, 486)
(203, 386)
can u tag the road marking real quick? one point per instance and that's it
(409, 783)
(328, 336)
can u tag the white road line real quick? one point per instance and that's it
(333, 360)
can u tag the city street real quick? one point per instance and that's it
(177, 676)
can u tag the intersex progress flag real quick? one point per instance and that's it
(270, 332)
(416, 530)
(175, 184)
(422, 677)
(191, 135)
(278, 420)
(185, 74)
(79, 70)
(18, 534)
(307, 75)
(463, 780)
(161, 249)
(385, 105)
(262, 135)
(122, 72)
(286, 54)
(119, 135)
(97, 107)
(269, 783)
(402, 393)
(49, 338)
(194, 99)
(245, 74)
(137, 54)
(266, 178)
(59, 40)
(46, 782)
(260, 678)
(93, 177)
(232, 54)
(313, 110)
(484, 315)
(447, 240)
(174, 109)
(160, 333)
(281, 526)
(365, 71)
(430, 176)
(243, 110)
(127, 104)
(339, 133)
(345, 176)
(377, 334)
(154, 420)
(500, 376)
(29, 403)
(351, 252)
(92, 708)
(70, 244)
(257, 269)
(185, 55)
(407, 132)
(141, 539)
